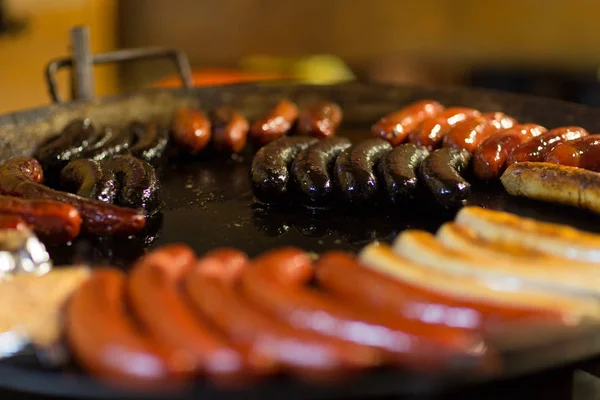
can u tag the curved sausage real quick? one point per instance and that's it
(320, 119)
(191, 129)
(21, 177)
(431, 131)
(441, 173)
(86, 178)
(150, 140)
(12, 222)
(354, 170)
(581, 153)
(490, 158)
(309, 355)
(396, 126)
(469, 134)
(114, 141)
(338, 273)
(312, 167)
(398, 171)
(270, 167)
(230, 130)
(537, 148)
(53, 221)
(274, 124)
(277, 282)
(107, 343)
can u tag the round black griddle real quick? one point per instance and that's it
(208, 203)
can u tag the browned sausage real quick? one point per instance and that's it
(22, 177)
(230, 130)
(53, 221)
(320, 119)
(581, 153)
(276, 123)
(12, 222)
(191, 129)
(304, 353)
(338, 272)
(469, 134)
(539, 147)
(167, 316)
(107, 343)
(431, 131)
(395, 126)
(490, 158)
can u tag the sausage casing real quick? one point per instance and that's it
(320, 119)
(396, 126)
(537, 148)
(86, 178)
(469, 134)
(431, 131)
(441, 173)
(191, 129)
(274, 124)
(230, 130)
(398, 171)
(581, 153)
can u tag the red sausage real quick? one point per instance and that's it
(490, 158)
(191, 129)
(12, 222)
(581, 153)
(53, 221)
(300, 352)
(539, 147)
(338, 272)
(469, 134)
(22, 177)
(275, 124)
(107, 343)
(230, 130)
(431, 132)
(320, 119)
(395, 126)
(277, 282)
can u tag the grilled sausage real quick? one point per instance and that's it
(396, 126)
(191, 129)
(150, 140)
(230, 130)
(398, 171)
(539, 147)
(22, 177)
(354, 170)
(312, 356)
(431, 131)
(12, 222)
(86, 178)
(270, 167)
(277, 281)
(441, 173)
(312, 168)
(117, 141)
(490, 158)
(469, 134)
(320, 119)
(274, 124)
(581, 153)
(53, 221)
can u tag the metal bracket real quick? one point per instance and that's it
(83, 60)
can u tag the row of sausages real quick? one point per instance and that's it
(233, 319)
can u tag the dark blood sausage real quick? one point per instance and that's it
(276, 123)
(441, 173)
(431, 131)
(537, 148)
(270, 167)
(86, 178)
(191, 129)
(114, 141)
(395, 126)
(53, 221)
(581, 153)
(12, 222)
(320, 119)
(469, 134)
(490, 158)
(22, 177)
(312, 168)
(398, 171)
(136, 180)
(354, 170)
(150, 140)
(72, 141)
(230, 130)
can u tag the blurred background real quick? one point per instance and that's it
(541, 47)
